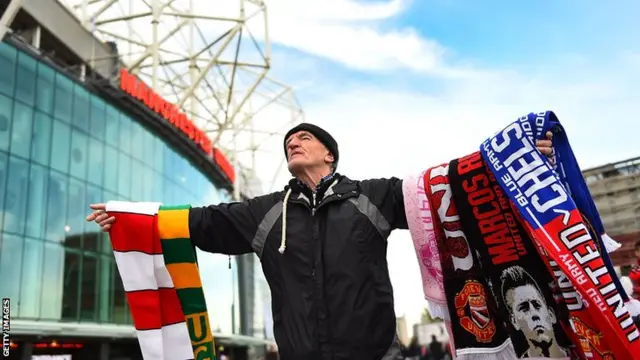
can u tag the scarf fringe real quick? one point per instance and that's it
(502, 352)
(610, 244)
(438, 310)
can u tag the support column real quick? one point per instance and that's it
(8, 16)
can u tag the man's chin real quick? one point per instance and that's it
(295, 167)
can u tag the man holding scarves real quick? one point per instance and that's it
(322, 244)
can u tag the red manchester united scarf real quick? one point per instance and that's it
(478, 331)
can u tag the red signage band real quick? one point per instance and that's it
(130, 84)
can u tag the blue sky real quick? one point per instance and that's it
(405, 85)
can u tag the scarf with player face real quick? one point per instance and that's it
(543, 197)
(510, 262)
(478, 332)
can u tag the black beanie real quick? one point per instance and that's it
(324, 137)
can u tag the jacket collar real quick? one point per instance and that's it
(328, 186)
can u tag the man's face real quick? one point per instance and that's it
(529, 313)
(305, 151)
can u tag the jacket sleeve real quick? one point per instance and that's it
(227, 228)
(386, 195)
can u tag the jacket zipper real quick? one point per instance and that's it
(313, 213)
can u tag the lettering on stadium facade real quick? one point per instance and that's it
(130, 84)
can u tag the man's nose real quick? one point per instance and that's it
(292, 147)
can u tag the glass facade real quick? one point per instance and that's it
(62, 148)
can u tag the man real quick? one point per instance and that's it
(322, 245)
(634, 274)
(435, 349)
(529, 313)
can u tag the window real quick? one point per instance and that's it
(148, 141)
(137, 141)
(56, 207)
(7, 63)
(71, 283)
(88, 287)
(111, 168)
(80, 108)
(76, 209)
(38, 186)
(158, 189)
(120, 313)
(15, 204)
(31, 278)
(53, 270)
(125, 134)
(96, 162)
(63, 98)
(6, 116)
(45, 89)
(4, 168)
(41, 145)
(112, 127)
(159, 155)
(60, 144)
(78, 154)
(149, 184)
(10, 268)
(105, 290)
(26, 78)
(137, 181)
(92, 236)
(124, 175)
(21, 131)
(98, 116)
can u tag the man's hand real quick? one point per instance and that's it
(100, 216)
(545, 147)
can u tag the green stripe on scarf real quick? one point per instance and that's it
(180, 260)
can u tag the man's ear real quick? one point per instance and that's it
(329, 158)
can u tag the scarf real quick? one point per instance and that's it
(509, 260)
(477, 333)
(420, 223)
(157, 264)
(552, 218)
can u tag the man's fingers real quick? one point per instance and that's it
(102, 217)
(106, 228)
(94, 215)
(544, 143)
(100, 206)
(105, 219)
(549, 135)
(546, 151)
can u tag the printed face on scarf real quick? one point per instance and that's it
(530, 314)
(305, 151)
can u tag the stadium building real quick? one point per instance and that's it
(615, 189)
(71, 134)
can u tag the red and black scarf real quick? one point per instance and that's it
(477, 330)
(515, 272)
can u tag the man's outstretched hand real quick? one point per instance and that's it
(100, 216)
(545, 147)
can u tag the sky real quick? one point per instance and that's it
(404, 85)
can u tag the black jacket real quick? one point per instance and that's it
(332, 296)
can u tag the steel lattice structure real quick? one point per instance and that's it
(212, 60)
